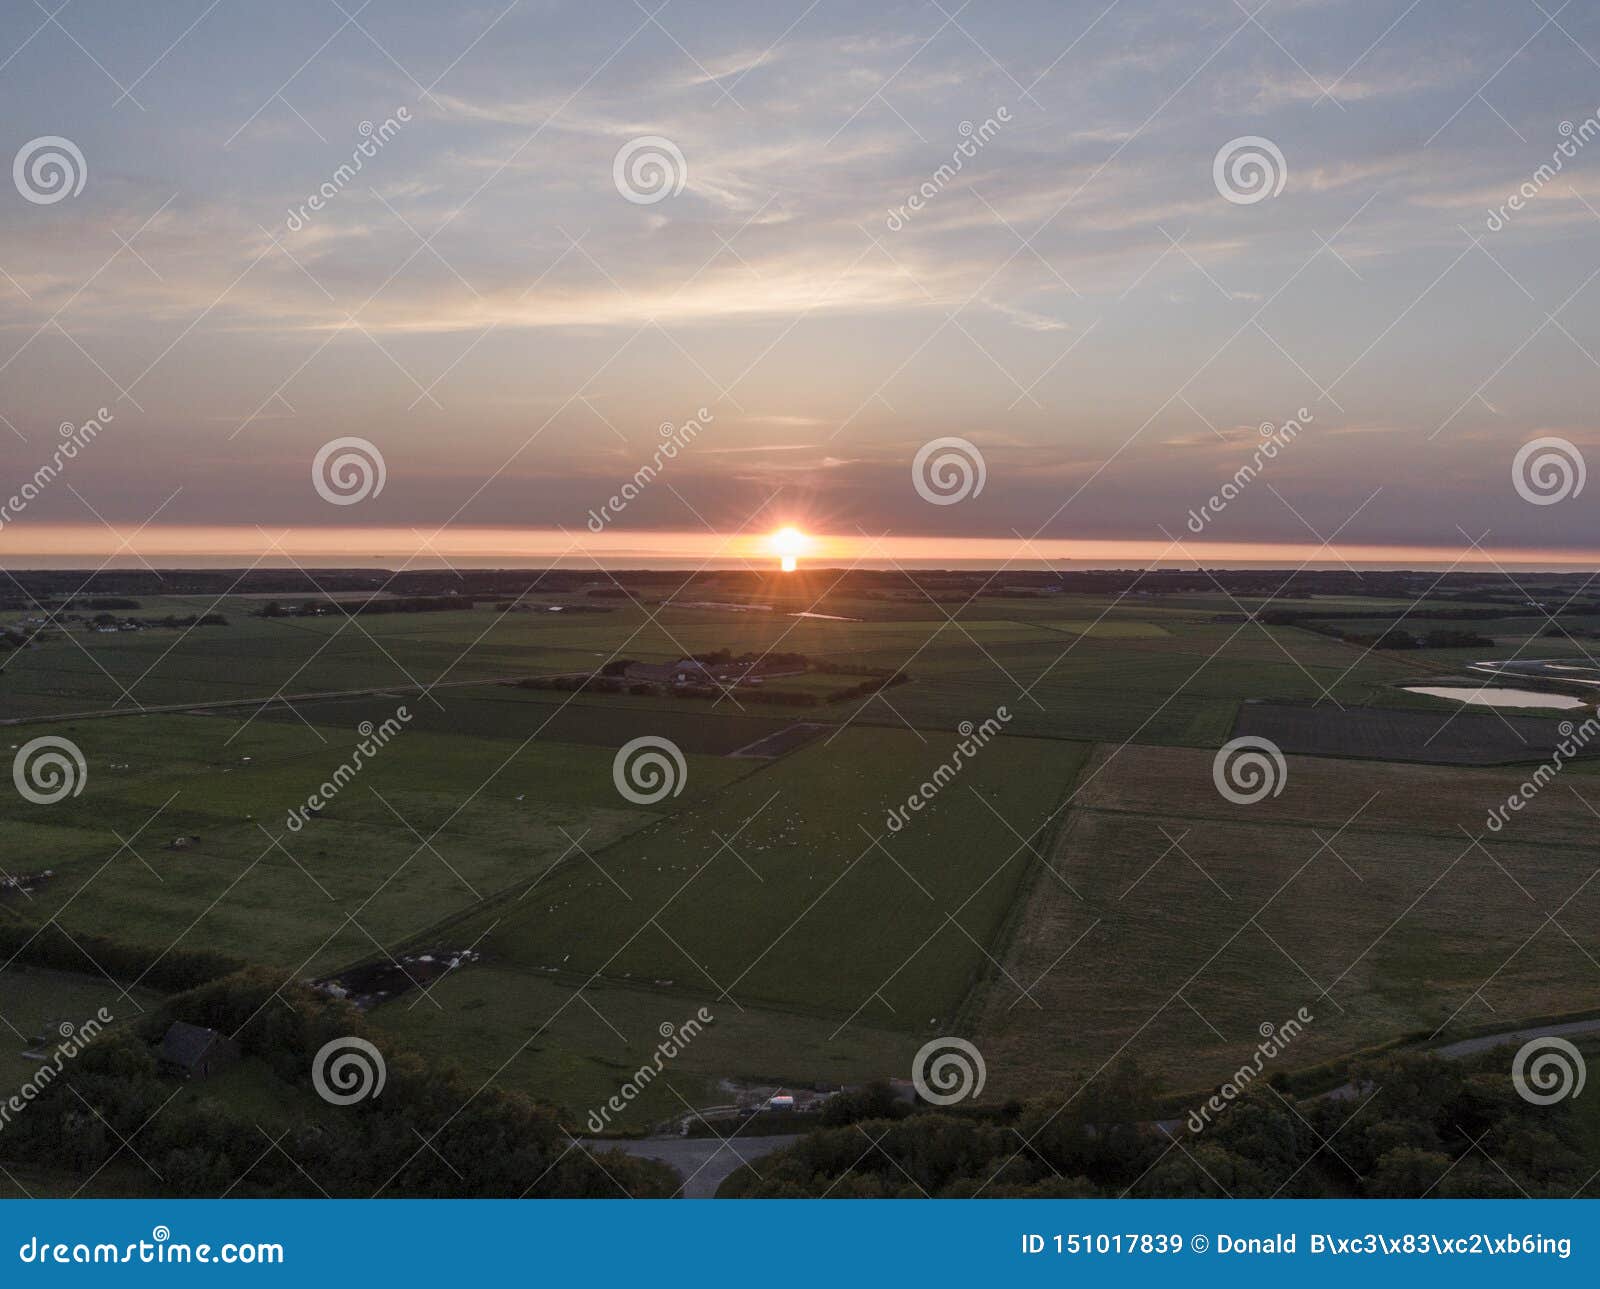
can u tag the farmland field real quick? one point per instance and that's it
(1019, 839)
(1434, 734)
(1183, 923)
(785, 889)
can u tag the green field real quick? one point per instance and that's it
(785, 889)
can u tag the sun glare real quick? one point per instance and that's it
(789, 544)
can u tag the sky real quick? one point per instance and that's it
(580, 232)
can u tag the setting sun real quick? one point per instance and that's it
(789, 544)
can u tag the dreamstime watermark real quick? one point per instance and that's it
(348, 470)
(74, 439)
(674, 1038)
(649, 169)
(349, 1069)
(1273, 440)
(973, 739)
(1548, 470)
(1572, 139)
(1249, 169)
(948, 1069)
(948, 470)
(649, 769)
(1274, 1038)
(1247, 769)
(372, 140)
(49, 769)
(1573, 740)
(373, 740)
(674, 439)
(1548, 1069)
(74, 1038)
(160, 1249)
(973, 139)
(49, 169)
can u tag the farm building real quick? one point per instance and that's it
(689, 671)
(194, 1052)
(685, 671)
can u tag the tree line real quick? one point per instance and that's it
(1412, 1125)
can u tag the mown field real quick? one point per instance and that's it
(773, 891)
(1371, 895)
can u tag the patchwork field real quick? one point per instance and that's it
(1074, 888)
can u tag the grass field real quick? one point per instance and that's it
(787, 889)
(530, 1032)
(1367, 894)
(433, 825)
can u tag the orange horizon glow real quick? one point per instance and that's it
(485, 546)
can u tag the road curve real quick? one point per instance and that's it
(703, 1162)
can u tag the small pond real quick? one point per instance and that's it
(1496, 696)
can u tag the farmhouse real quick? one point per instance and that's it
(194, 1052)
(686, 671)
(691, 671)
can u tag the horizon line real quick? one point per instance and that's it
(199, 547)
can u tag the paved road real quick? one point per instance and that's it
(1450, 1051)
(703, 1162)
(1467, 1046)
(1483, 1043)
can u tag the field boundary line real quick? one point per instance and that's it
(971, 1005)
(498, 897)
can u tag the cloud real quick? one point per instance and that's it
(714, 70)
(1276, 88)
(758, 447)
(762, 278)
(1222, 437)
(1026, 318)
